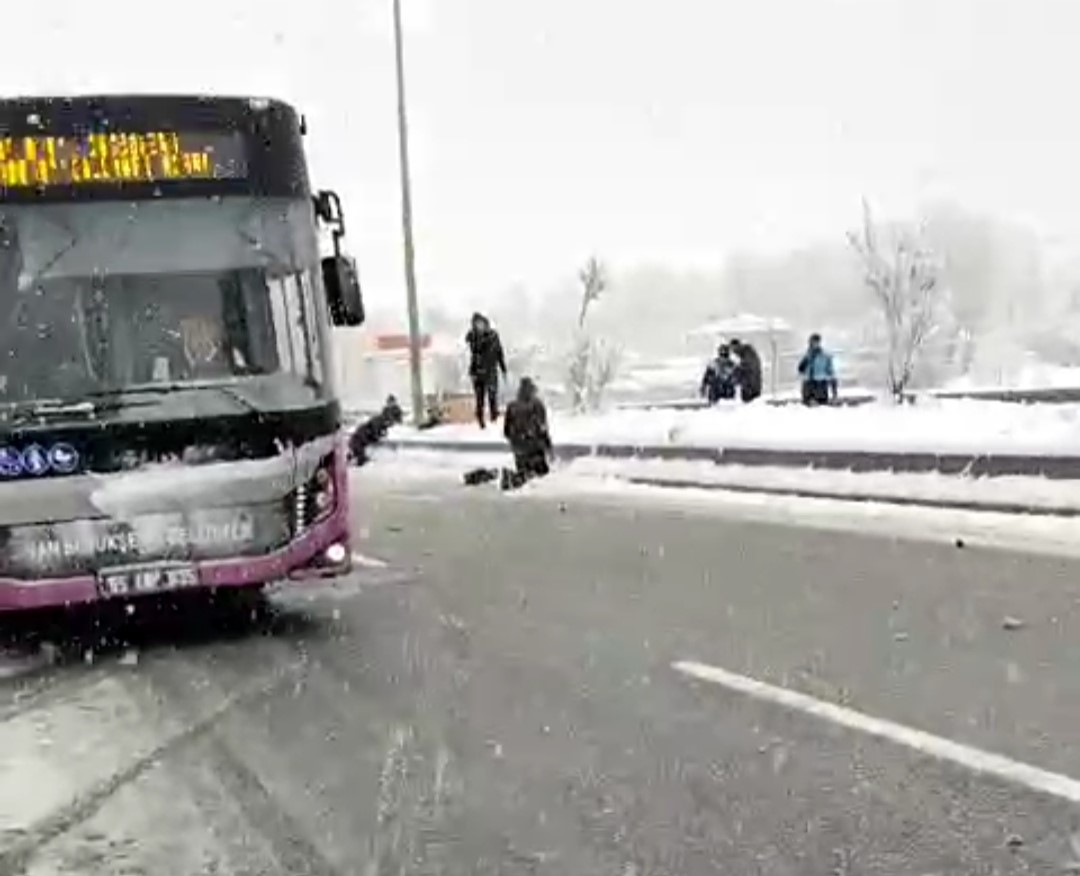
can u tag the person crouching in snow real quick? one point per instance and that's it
(373, 431)
(526, 428)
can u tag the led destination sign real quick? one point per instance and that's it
(44, 162)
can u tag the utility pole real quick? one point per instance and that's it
(406, 225)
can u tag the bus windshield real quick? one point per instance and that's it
(108, 296)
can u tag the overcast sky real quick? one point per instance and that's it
(659, 130)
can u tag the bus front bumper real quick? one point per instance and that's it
(324, 550)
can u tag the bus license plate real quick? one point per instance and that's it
(147, 579)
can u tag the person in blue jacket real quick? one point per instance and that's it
(819, 385)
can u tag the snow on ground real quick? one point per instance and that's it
(50, 757)
(1031, 492)
(931, 425)
(59, 753)
(407, 466)
(1033, 375)
(437, 477)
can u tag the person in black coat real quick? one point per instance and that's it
(749, 370)
(486, 361)
(720, 376)
(526, 428)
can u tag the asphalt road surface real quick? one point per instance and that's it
(501, 698)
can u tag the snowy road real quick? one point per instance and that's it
(506, 696)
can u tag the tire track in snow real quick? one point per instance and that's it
(53, 818)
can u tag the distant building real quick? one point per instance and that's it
(372, 365)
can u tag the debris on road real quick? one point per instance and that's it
(1012, 623)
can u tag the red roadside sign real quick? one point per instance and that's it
(399, 342)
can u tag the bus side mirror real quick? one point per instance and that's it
(343, 293)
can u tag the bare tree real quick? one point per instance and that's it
(593, 284)
(577, 371)
(593, 362)
(902, 274)
(604, 360)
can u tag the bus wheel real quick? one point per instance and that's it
(247, 605)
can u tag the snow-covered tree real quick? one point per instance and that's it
(593, 361)
(901, 272)
(594, 282)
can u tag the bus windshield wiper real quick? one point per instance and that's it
(21, 413)
(175, 387)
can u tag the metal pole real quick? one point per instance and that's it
(406, 225)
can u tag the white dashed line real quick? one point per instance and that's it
(974, 759)
(368, 562)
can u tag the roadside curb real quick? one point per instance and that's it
(1071, 467)
(974, 465)
(863, 498)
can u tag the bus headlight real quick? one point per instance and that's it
(316, 499)
(325, 495)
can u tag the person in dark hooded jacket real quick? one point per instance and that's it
(720, 375)
(373, 430)
(748, 373)
(526, 428)
(486, 360)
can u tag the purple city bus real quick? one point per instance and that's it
(168, 412)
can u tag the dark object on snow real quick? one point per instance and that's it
(480, 476)
(748, 373)
(720, 376)
(526, 429)
(434, 417)
(373, 431)
(486, 361)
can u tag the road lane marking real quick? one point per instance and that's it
(360, 559)
(974, 759)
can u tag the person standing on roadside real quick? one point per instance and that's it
(718, 381)
(486, 361)
(748, 374)
(819, 384)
